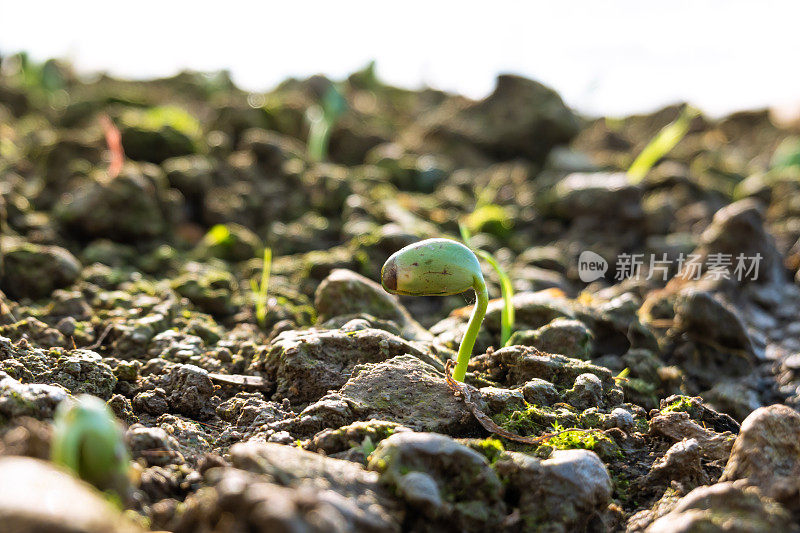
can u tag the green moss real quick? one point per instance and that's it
(491, 448)
(685, 404)
(533, 419)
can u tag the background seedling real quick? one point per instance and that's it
(88, 440)
(507, 290)
(260, 290)
(321, 118)
(440, 267)
(664, 141)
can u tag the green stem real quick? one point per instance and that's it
(468, 342)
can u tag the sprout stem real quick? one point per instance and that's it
(474, 325)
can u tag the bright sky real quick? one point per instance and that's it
(604, 56)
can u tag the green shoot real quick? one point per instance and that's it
(623, 375)
(321, 118)
(664, 141)
(87, 440)
(260, 289)
(440, 267)
(507, 290)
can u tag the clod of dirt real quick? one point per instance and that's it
(323, 360)
(564, 493)
(34, 271)
(345, 292)
(452, 486)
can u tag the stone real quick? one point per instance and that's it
(767, 454)
(459, 478)
(345, 292)
(36, 496)
(564, 493)
(127, 208)
(724, 507)
(540, 392)
(153, 445)
(34, 271)
(678, 426)
(323, 360)
(407, 391)
(521, 118)
(599, 195)
(562, 336)
(189, 390)
(38, 401)
(586, 392)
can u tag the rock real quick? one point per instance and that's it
(357, 491)
(586, 392)
(681, 464)
(35, 271)
(407, 391)
(153, 402)
(247, 409)
(127, 208)
(499, 400)
(35, 331)
(242, 501)
(209, 288)
(323, 360)
(516, 365)
(189, 391)
(699, 312)
(521, 118)
(229, 242)
(36, 496)
(733, 397)
(599, 195)
(622, 419)
(345, 292)
(562, 336)
(539, 392)
(38, 401)
(82, 372)
(563, 493)
(153, 445)
(271, 148)
(738, 228)
(678, 426)
(700, 412)
(457, 477)
(159, 133)
(767, 454)
(724, 507)
(359, 435)
(192, 175)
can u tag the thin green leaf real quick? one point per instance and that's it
(664, 141)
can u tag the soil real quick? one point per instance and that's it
(136, 280)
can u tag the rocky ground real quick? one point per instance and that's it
(332, 413)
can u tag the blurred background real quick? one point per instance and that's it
(603, 58)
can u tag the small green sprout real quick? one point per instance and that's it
(88, 440)
(664, 141)
(260, 289)
(440, 267)
(321, 118)
(506, 289)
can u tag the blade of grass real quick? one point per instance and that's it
(664, 141)
(260, 289)
(507, 290)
